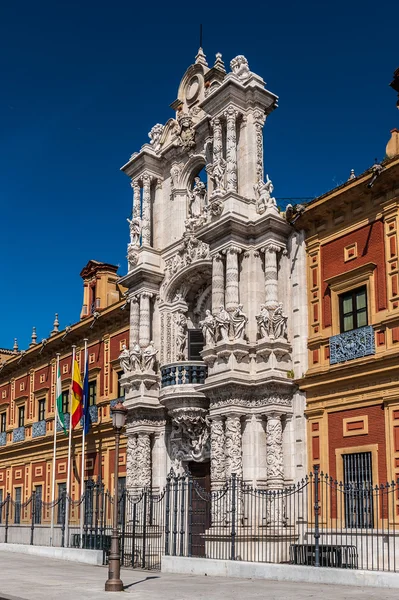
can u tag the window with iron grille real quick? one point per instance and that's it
(358, 490)
(195, 344)
(21, 416)
(65, 401)
(92, 392)
(17, 508)
(41, 413)
(353, 309)
(3, 422)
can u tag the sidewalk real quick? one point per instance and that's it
(24, 577)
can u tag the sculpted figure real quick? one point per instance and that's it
(124, 360)
(208, 327)
(197, 198)
(239, 320)
(279, 322)
(263, 192)
(135, 357)
(223, 323)
(155, 135)
(181, 336)
(149, 355)
(240, 68)
(135, 231)
(263, 320)
(186, 131)
(216, 172)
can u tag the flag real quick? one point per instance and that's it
(77, 393)
(60, 414)
(86, 412)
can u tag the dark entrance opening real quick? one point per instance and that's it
(201, 505)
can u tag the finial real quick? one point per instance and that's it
(219, 64)
(34, 338)
(15, 347)
(200, 59)
(352, 175)
(56, 325)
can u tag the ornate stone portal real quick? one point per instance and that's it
(217, 318)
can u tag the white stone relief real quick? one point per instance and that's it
(197, 198)
(155, 136)
(274, 449)
(143, 460)
(190, 251)
(138, 359)
(186, 133)
(272, 322)
(190, 437)
(263, 321)
(181, 335)
(218, 457)
(135, 231)
(233, 445)
(265, 203)
(239, 320)
(240, 68)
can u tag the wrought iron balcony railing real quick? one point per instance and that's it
(182, 373)
(18, 434)
(352, 344)
(3, 438)
(39, 429)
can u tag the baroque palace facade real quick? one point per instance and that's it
(27, 396)
(218, 315)
(352, 383)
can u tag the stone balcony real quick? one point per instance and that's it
(183, 373)
(352, 344)
(38, 429)
(18, 434)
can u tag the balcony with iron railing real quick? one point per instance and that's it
(356, 343)
(183, 373)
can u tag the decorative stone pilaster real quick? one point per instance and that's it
(259, 121)
(233, 446)
(218, 456)
(144, 329)
(131, 462)
(143, 460)
(136, 199)
(232, 291)
(231, 149)
(146, 216)
(134, 322)
(274, 451)
(217, 282)
(217, 170)
(271, 282)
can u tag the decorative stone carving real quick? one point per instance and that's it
(190, 436)
(134, 321)
(231, 149)
(264, 200)
(135, 358)
(217, 169)
(279, 323)
(146, 217)
(240, 68)
(218, 457)
(233, 445)
(259, 121)
(232, 289)
(239, 320)
(143, 460)
(190, 251)
(208, 326)
(136, 199)
(274, 450)
(222, 322)
(181, 335)
(138, 359)
(155, 136)
(148, 357)
(250, 399)
(264, 322)
(144, 331)
(217, 281)
(131, 475)
(197, 199)
(124, 360)
(135, 232)
(186, 132)
(271, 284)
(132, 256)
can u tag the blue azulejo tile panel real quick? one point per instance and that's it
(39, 429)
(18, 434)
(352, 344)
(3, 438)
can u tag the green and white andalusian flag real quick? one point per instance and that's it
(60, 414)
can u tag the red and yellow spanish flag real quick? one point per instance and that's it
(77, 395)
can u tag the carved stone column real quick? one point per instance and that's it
(231, 149)
(131, 458)
(146, 217)
(217, 282)
(271, 284)
(217, 139)
(134, 321)
(144, 330)
(143, 460)
(218, 457)
(274, 451)
(233, 446)
(232, 291)
(136, 199)
(259, 121)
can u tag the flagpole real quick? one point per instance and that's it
(82, 470)
(69, 454)
(54, 451)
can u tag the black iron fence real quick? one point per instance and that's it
(316, 522)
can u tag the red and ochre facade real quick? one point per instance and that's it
(352, 255)
(28, 379)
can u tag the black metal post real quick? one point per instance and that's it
(316, 517)
(134, 533)
(190, 516)
(175, 509)
(114, 582)
(63, 519)
(167, 516)
(7, 517)
(33, 508)
(182, 510)
(144, 528)
(123, 524)
(233, 515)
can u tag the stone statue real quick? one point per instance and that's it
(263, 320)
(181, 336)
(135, 231)
(149, 355)
(124, 360)
(240, 68)
(186, 130)
(223, 323)
(239, 320)
(264, 200)
(155, 135)
(197, 198)
(217, 172)
(208, 327)
(135, 358)
(279, 323)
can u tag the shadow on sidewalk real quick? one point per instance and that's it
(125, 587)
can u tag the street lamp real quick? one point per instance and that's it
(114, 582)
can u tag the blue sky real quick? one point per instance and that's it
(82, 84)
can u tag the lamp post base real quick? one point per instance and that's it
(114, 585)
